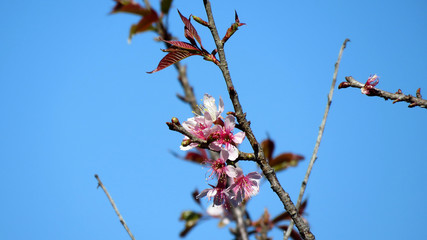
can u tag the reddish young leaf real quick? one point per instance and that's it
(195, 157)
(283, 216)
(144, 24)
(286, 216)
(194, 194)
(233, 28)
(190, 31)
(165, 5)
(294, 234)
(268, 148)
(183, 45)
(263, 221)
(236, 17)
(171, 58)
(129, 7)
(285, 160)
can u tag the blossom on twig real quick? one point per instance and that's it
(373, 80)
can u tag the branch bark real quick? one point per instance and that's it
(319, 137)
(241, 119)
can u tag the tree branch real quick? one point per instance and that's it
(319, 137)
(122, 221)
(397, 97)
(241, 119)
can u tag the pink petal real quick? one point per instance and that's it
(231, 171)
(233, 151)
(229, 123)
(215, 146)
(238, 137)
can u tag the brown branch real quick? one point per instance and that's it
(319, 137)
(397, 97)
(241, 119)
(122, 221)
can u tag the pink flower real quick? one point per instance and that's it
(373, 80)
(219, 194)
(223, 135)
(219, 167)
(209, 109)
(244, 187)
(199, 127)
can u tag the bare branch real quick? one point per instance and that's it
(397, 97)
(319, 137)
(122, 221)
(241, 119)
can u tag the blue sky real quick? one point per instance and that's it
(75, 101)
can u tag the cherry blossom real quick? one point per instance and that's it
(208, 108)
(244, 187)
(219, 194)
(223, 135)
(373, 80)
(199, 127)
(219, 167)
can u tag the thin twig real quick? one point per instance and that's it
(397, 97)
(241, 119)
(319, 137)
(238, 213)
(114, 206)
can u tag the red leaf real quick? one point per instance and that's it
(171, 58)
(144, 24)
(294, 234)
(195, 157)
(285, 160)
(234, 27)
(129, 7)
(268, 148)
(165, 6)
(190, 31)
(194, 194)
(285, 215)
(183, 45)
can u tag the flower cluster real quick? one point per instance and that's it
(210, 126)
(232, 186)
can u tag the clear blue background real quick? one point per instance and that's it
(75, 100)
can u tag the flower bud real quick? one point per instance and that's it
(186, 142)
(175, 121)
(344, 85)
(201, 21)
